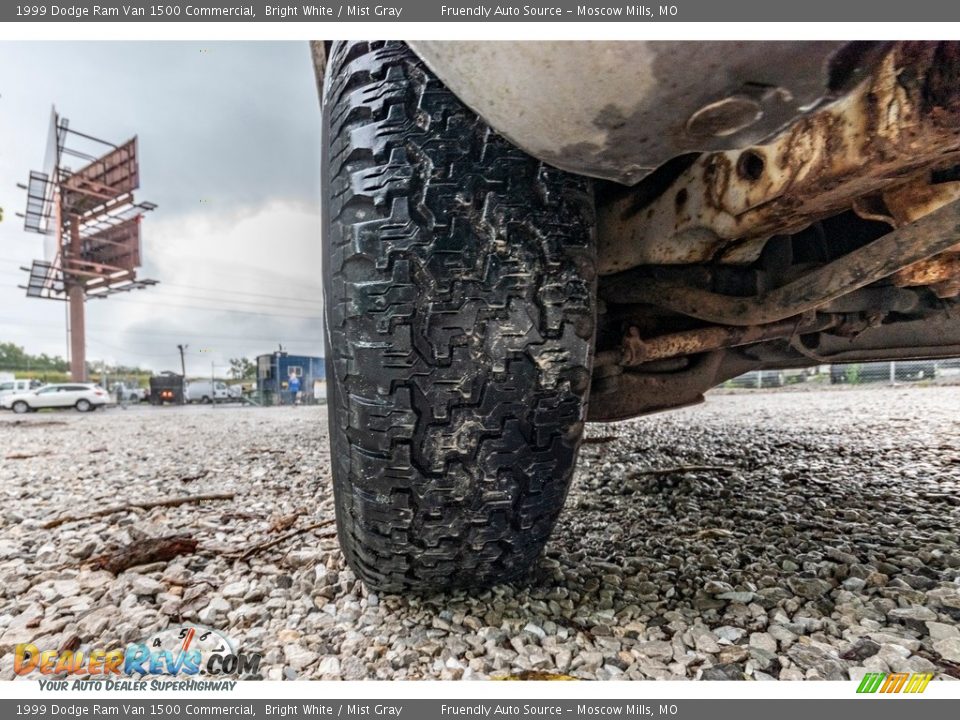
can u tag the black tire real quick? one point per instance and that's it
(84, 406)
(20, 407)
(459, 284)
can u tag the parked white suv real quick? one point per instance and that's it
(85, 397)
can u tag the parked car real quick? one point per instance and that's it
(129, 393)
(522, 237)
(759, 379)
(11, 387)
(206, 391)
(85, 397)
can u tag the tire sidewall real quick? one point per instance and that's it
(339, 445)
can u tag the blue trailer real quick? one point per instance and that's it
(273, 378)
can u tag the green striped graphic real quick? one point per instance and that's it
(871, 682)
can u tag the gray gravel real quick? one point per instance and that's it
(826, 546)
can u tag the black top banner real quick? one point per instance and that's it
(465, 11)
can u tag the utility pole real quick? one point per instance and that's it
(279, 354)
(183, 374)
(76, 299)
(183, 364)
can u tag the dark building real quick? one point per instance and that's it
(273, 373)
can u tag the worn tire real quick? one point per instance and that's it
(460, 307)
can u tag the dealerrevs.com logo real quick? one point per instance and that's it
(189, 651)
(912, 683)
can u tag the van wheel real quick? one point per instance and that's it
(20, 407)
(205, 400)
(459, 299)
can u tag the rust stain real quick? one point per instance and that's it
(900, 122)
(912, 200)
(942, 273)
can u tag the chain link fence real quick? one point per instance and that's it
(899, 372)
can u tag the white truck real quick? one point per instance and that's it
(10, 386)
(206, 391)
(128, 393)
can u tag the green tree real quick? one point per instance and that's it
(14, 357)
(242, 369)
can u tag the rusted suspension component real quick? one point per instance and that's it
(907, 203)
(899, 123)
(909, 244)
(636, 351)
(636, 393)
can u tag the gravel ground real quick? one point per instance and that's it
(824, 546)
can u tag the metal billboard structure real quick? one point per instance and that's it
(91, 224)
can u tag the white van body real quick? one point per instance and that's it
(10, 387)
(206, 391)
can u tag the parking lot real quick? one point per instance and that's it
(761, 535)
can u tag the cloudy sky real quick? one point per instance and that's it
(229, 151)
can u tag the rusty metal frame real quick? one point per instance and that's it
(632, 392)
(636, 350)
(903, 120)
(908, 244)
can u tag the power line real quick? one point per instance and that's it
(220, 310)
(175, 334)
(257, 303)
(317, 303)
(246, 293)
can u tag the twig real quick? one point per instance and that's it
(264, 451)
(26, 456)
(726, 469)
(169, 502)
(198, 476)
(144, 552)
(36, 423)
(285, 522)
(260, 547)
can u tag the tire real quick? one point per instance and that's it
(84, 406)
(459, 295)
(20, 407)
(205, 400)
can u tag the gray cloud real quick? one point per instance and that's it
(229, 143)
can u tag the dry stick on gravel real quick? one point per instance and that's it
(725, 469)
(144, 552)
(27, 456)
(260, 547)
(36, 423)
(169, 502)
(285, 522)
